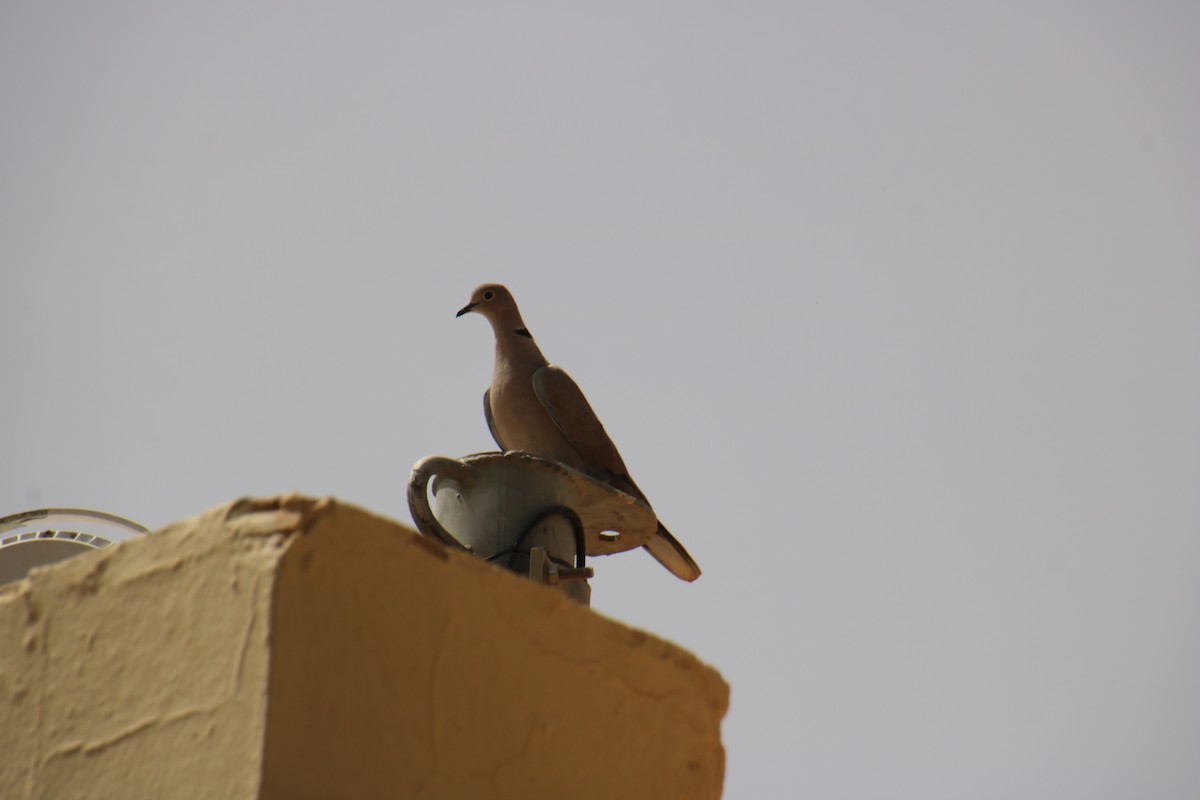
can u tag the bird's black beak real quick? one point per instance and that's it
(466, 309)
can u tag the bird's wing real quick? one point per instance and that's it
(667, 550)
(491, 422)
(570, 412)
(573, 416)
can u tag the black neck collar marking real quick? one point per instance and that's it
(523, 332)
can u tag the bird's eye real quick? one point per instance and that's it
(488, 295)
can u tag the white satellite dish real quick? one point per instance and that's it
(46, 535)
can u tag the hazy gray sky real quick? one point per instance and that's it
(891, 308)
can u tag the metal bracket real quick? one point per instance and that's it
(543, 569)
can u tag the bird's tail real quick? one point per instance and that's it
(667, 550)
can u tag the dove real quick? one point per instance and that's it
(535, 407)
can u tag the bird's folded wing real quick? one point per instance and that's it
(491, 421)
(573, 416)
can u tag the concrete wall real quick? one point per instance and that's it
(295, 648)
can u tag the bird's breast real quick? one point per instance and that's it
(523, 424)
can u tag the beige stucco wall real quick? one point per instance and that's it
(139, 670)
(300, 648)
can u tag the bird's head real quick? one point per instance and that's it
(492, 301)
